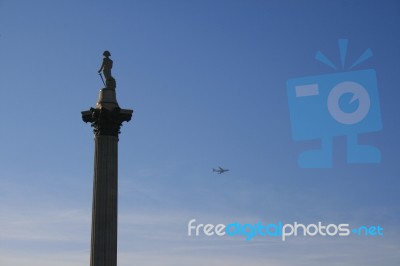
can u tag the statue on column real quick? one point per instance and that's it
(106, 68)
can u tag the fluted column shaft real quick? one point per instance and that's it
(105, 202)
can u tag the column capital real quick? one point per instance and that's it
(106, 122)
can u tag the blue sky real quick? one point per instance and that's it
(207, 81)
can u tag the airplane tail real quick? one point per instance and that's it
(214, 170)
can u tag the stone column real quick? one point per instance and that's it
(106, 120)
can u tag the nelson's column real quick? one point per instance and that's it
(106, 119)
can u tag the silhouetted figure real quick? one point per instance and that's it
(106, 68)
(107, 65)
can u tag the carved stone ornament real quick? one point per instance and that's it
(106, 122)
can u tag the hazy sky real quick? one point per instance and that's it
(207, 81)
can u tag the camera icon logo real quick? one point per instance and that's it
(338, 104)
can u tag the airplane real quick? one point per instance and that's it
(220, 170)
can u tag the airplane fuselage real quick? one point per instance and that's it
(220, 170)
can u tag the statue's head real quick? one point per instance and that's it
(107, 53)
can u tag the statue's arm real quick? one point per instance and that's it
(101, 67)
